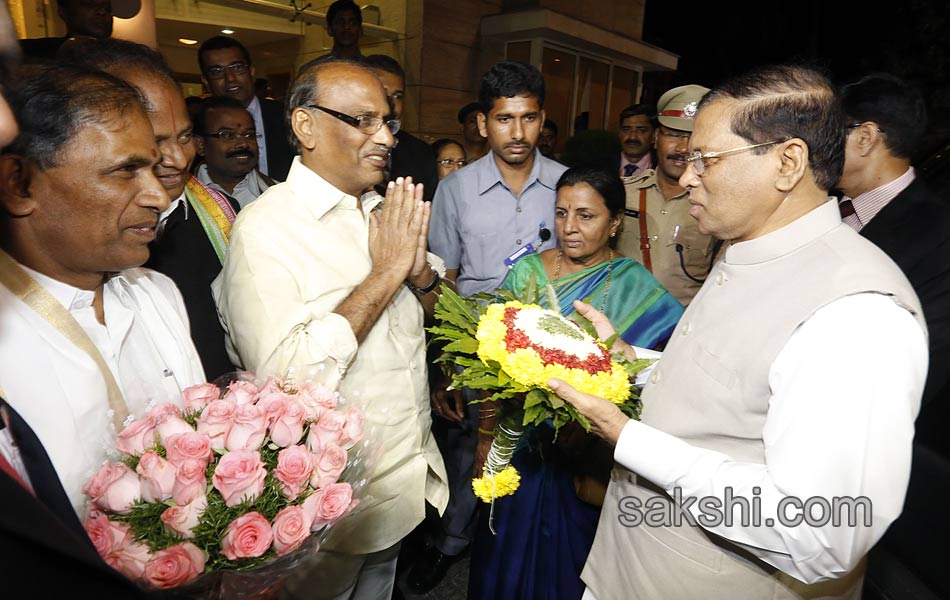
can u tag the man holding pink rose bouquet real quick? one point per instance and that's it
(317, 274)
(89, 338)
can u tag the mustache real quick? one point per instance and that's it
(677, 156)
(633, 142)
(236, 153)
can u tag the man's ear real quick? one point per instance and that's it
(302, 123)
(866, 137)
(199, 144)
(482, 120)
(793, 165)
(15, 177)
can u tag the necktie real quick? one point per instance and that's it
(848, 216)
(7, 468)
(846, 207)
(629, 169)
(46, 484)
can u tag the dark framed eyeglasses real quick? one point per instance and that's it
(451, 162)
(229, 134)
(365, 123)
(236, 68)
(851, 126)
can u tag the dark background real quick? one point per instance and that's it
(716, 40)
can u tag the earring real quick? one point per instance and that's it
(614, 234)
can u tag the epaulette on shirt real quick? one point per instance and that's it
(641, 180)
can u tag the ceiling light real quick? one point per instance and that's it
(187, 42)
(227, 31)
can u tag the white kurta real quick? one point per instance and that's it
(59, 391)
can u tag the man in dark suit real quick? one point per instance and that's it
(887, 203)
(43, 546)
(411, 157)
(226, 70)
(193, 233)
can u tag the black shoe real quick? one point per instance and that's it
(429, 570)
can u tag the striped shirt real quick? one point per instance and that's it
(868, 204)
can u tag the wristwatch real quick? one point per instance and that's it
(425, 290)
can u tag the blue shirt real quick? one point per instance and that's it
(477, 221)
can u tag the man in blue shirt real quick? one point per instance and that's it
(484, 217)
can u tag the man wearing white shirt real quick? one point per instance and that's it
(773, 389)
(226, 138)
(87, 338)
(316, 276)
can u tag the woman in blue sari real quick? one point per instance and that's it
(545, 530)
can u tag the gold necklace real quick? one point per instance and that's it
(610, 269)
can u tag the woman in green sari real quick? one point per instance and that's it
(544, 532)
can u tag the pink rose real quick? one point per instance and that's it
(316, 398)
(198, 396)
(175, 566)
(157, 477)
(272, 384)
(247, 536)
(328, 466)
(191, 481)
(290, 529)
(325, 431)
(138, 437)
(241, 393)
(215, 421)
(183, 519)
(294, 469)
(352, 428)
(104, 533)
(328, 505)
(239, 476)
(183, 446)
(129, 556)
(114, 488)
(288, 428)
(272, 405)
(248, 429)
(170, 424)
(163, 410)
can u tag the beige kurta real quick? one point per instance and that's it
(296, 253)
(662, 218)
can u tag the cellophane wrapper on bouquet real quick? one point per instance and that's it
(222, 495)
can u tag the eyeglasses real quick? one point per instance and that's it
(448, 162)
(856, 125)
(228, 135)
(236, 68)
(365, 123)
(698, 159)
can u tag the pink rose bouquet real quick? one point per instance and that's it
(240, 477)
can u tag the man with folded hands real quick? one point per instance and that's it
(317, 274)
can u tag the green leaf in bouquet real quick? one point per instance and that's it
(551, 294)
(503, 378)
(577, 417)
(535, 414)
(530, 293)
(561, 418)
(534, 398)
(447, 333)
(467, 345)
(485, 382)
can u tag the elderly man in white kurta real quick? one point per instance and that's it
(87, 340)
(315, 276)
(792, 380)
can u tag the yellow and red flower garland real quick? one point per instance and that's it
(533, 365)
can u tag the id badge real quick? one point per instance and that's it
(518, 254)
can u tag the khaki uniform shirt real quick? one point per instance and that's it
(296, 253)
(662, 218)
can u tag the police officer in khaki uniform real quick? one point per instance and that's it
(657, 228)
